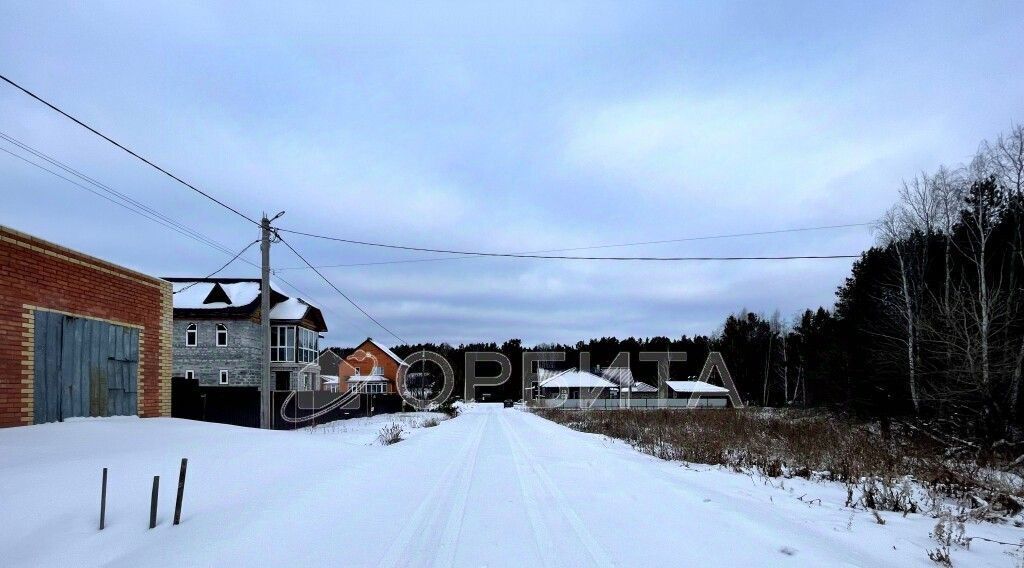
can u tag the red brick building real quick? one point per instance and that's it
(79, 336)
(372, 368)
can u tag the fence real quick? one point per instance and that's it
(621, 403)
(298, 409)
(239, 406)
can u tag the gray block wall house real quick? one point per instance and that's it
(217, 335)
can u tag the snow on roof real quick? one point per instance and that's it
(192, 294)
(545, 374)
(290, 309)
(621, 376)
(696, 386)
(368, 379)
(242, 293)
(386, 351)
(330, 379)
(638, 386)
(575, 378)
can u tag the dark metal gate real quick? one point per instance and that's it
(84, 367)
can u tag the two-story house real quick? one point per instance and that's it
(217, 337)
(370, 368)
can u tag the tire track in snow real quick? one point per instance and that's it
(598, 555)
(449, 538)
(532, 495)
(419, 535)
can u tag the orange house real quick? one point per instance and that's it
(371, 368)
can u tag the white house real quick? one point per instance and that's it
(701, 393)
(574, 382)
(629, 387)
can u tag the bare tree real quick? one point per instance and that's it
(1004, 161)
(896, 233)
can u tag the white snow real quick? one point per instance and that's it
(191, 294)
(386, 351)
(621, 376)
(696, 386)
(367, 379)
(639, 386)
(240, 294)
(290, 309)
(574, 378)
(495, 486)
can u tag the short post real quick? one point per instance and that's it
(103, 500)
(181, 490)
(152, 502)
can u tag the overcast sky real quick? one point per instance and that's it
(504, 129)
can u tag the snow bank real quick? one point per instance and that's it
(494, 486)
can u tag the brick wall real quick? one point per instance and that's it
(38, 275)
(365, 357)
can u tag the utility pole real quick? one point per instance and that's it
(265, 385)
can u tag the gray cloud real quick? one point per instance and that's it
(519, 128)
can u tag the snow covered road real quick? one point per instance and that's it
(495, 486)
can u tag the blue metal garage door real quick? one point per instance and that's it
(84, 367)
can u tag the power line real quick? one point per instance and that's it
(118, 203)
(121, 200)
(126, 149)
(567, 257)
(590, 247)
(228, 263)
(323, 305)
(338, 290)
(139, 208)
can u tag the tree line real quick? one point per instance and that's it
(928, 328)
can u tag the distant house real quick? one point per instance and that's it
(629, 387)
(371, 368)
(217, 337)
(703, 394)
(329, 360)
(329, 383)
(576, 384)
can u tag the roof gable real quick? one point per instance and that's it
(217, 295)
(574, 378)
(239, 297)
(370, 342)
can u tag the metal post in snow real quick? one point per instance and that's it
(181, 490)
(103, 500)
(152, 501)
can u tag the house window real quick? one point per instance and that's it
(222, 335)
(358, 372)
(223, 377)
(377, 388)
(190, 374)
(377, 371)
(308, 341)
(282, 344)
(191, 335)
(309, 381)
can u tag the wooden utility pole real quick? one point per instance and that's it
(265, 384)
(265, 322)
(266, 411)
